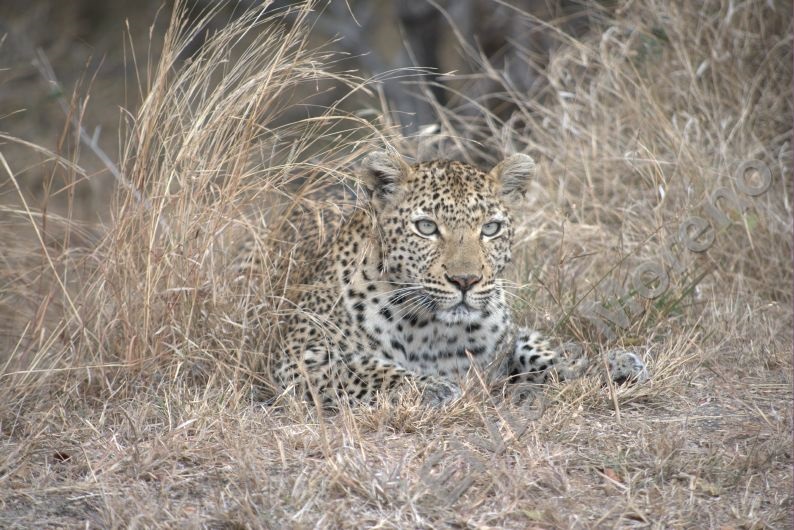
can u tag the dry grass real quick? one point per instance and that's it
(130, 395)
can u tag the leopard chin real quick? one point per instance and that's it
(459, 313)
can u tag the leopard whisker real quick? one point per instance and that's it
(417, 302)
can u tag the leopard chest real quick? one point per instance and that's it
(422, 342)
(433, 346)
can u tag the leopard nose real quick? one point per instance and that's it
(464, 281)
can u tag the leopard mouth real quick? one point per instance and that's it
(461, 302)
(461, 306)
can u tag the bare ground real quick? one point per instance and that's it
(713, 451)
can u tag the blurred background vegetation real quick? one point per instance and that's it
(101, 50)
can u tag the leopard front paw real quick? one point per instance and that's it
(626, 366)
(437, 391)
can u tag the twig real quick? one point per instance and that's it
(44, 67)
(12, 176)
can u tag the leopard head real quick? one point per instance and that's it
(445, 229)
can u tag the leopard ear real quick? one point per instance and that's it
(513, 174)
(383, 174)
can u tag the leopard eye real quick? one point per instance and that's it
(491, 229)
(426, 227)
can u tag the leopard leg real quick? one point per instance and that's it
(534, 361)
(369, 376)
(331, 377)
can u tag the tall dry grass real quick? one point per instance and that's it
(132, 351)
(636, 127)
(207, 161)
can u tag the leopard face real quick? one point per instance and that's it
(446, 230)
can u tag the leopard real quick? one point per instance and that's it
(409, 296)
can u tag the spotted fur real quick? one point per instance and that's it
(409, 292)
